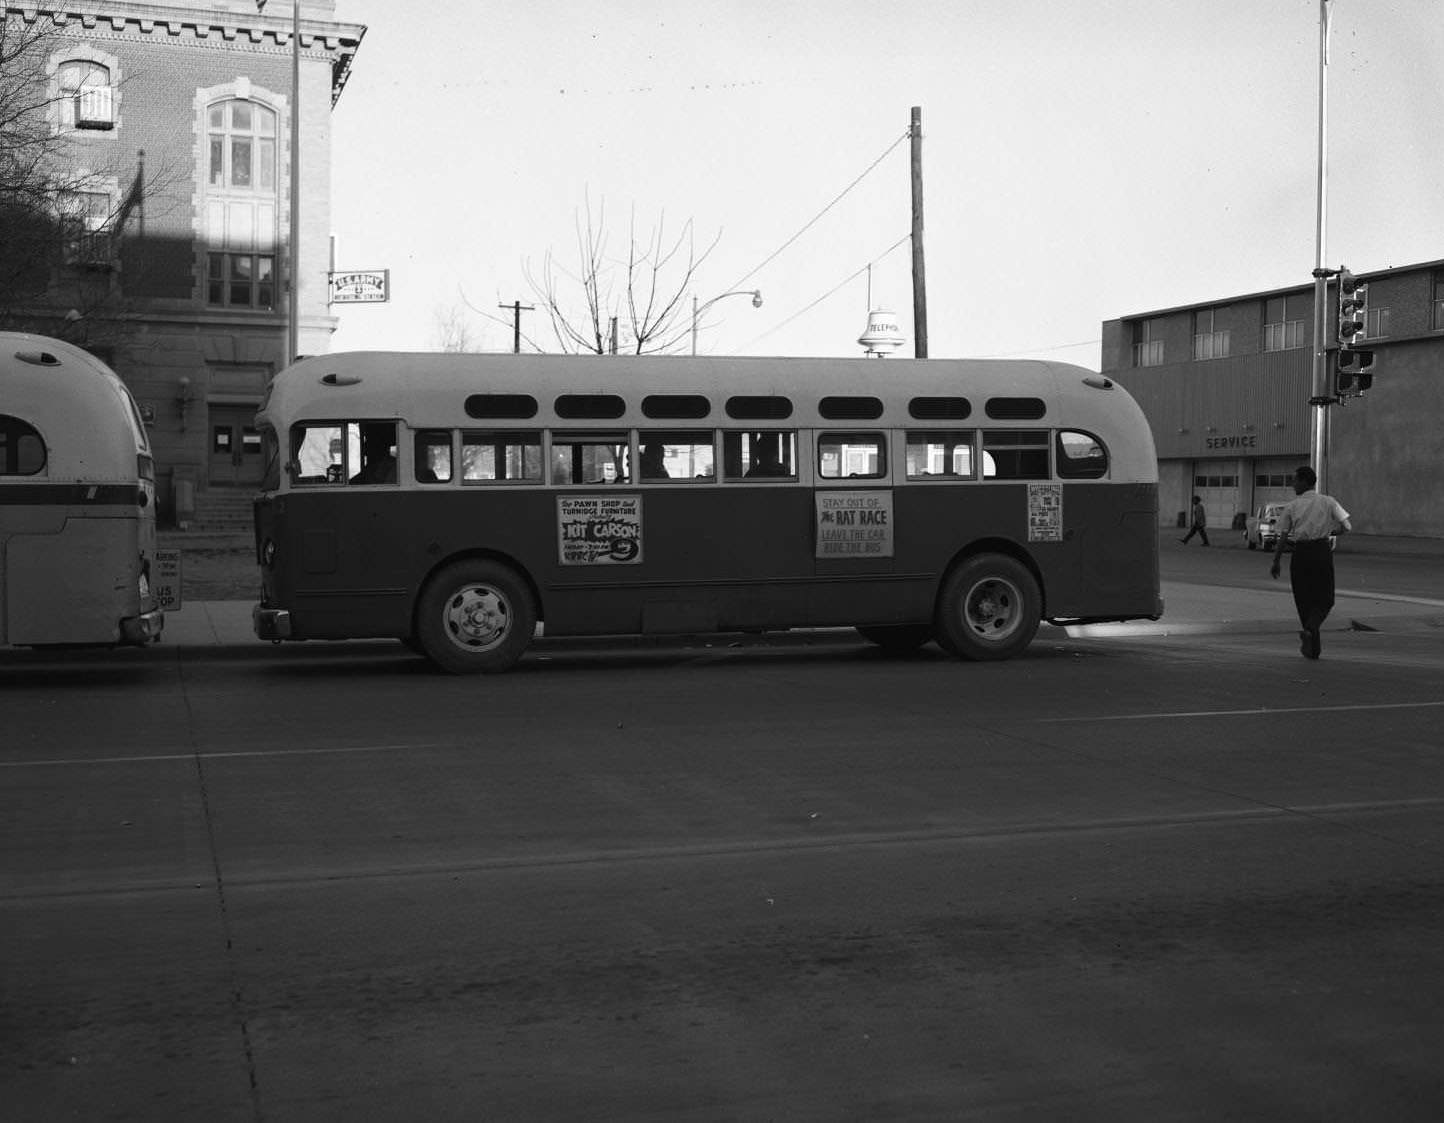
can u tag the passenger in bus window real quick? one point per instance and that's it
(378, 455)
(768, 457)
(652, 456)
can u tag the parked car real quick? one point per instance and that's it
(1259, 529)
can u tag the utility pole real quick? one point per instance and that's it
(517, 308)
(920, 286)
(1320, 399)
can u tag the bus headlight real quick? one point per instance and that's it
(268, 553)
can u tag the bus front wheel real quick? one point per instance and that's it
(475, 616)
(989, 608)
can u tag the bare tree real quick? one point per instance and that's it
(453, 332)
(637, 304)
(62, 228)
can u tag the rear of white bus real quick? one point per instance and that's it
(77, 502)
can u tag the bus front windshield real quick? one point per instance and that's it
(271, 458)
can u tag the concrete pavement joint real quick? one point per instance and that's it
(1253, 712)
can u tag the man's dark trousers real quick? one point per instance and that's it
(1311, 573)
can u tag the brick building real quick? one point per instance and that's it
(175, 120)
(1225, 385)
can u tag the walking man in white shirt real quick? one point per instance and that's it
(1309, 520)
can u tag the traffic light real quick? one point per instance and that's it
(1352, 364)
(1353, 306)
(1353, 371)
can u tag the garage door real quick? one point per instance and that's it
(1273, 481)
(1220, 494)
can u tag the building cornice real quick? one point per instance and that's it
(119, 19)
(1291, 290)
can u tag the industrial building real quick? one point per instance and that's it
(1226, 387)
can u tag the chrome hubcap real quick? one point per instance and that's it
(993, 609)
(477, 617)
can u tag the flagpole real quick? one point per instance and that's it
(293, 305)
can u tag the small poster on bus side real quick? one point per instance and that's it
(599, 529)
(1045, 512)
(854, 524)
(165, 580)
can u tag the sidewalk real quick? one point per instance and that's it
(1379, 544)
(1189, 609)
(1223, 609)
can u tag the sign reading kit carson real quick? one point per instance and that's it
(599, 529)
(363, 286)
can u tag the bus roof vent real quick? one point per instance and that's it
(847, 408)
(1015, 409)
(582, 407)
(38, 358)
(491, 407)
(758, 407)
(334, 379)
(686, 407)
(940, 409)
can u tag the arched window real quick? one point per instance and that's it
(85, 95)
(242, 138)
(22, 450)
(241, 204)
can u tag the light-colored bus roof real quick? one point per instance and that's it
(77, 404)
(429, 390)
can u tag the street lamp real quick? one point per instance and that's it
(755, 294)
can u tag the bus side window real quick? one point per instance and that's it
(503, 457)
(851, 456)
(377, 452)
(1015, 454)
(676, 455)
(940, 454)
(590, 459)
(22, 451)
(1081, 456)
(433, 456)
(318, 455)
(770, 454)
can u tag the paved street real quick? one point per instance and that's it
(1150, 871)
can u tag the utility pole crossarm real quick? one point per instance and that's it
(517, 308)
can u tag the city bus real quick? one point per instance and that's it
(464, 503)
(77, 501)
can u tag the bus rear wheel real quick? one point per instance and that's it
(475, 616)
(989, 608)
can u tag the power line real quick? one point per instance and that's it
(775, 253)
(829, 292)
(1035, 350)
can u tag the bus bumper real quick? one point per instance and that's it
(143, 628)
(271, 623)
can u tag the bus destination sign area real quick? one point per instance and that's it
(361, 286)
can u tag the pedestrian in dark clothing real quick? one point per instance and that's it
(1199, 525)
(1309, 521)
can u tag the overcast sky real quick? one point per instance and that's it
(1081, 161)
